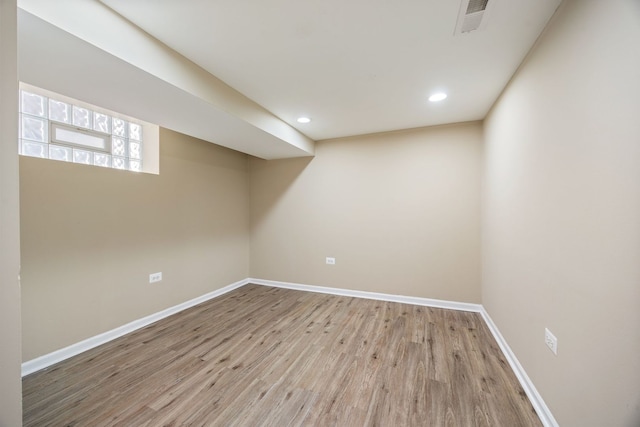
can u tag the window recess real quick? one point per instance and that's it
(59, 128)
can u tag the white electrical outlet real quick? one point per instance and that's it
(155, 277)
(551, 341)
(331, 261)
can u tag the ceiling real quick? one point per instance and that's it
(354, 67)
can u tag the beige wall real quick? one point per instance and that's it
(10, 384)
(91, 237)
(399, 212)
(561, 228)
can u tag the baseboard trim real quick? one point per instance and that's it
(452, 305)
(538, 403)
(52, 358)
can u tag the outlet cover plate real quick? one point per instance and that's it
(331, 260)
(155, 277)
(551, 341)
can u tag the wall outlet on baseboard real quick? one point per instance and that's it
(155, 277)
(331, 260)
(551, 341)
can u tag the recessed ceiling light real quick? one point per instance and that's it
(437, 97)
(304, 119)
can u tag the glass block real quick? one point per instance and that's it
(82, 156)
(34, 149)
(33, 104)
(119, 127)
(134, 150)
(135, 131)
(33, 128)
(58, 152)
(101, 122)
(59, 111)
(82, 117)
(101, 159)
(135, 165)
(118, 147)
(119, 163)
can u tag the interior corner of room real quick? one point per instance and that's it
(528, 214)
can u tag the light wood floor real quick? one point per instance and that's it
(277, 357)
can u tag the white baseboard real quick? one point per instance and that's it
(47, 360)
(538, 403)
(452, 305)
(541, 408)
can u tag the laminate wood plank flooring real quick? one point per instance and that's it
(262, 356)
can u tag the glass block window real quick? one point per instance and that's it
(58, 130)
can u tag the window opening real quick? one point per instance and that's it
(56, 129)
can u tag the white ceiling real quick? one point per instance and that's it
(239, 73)
(56, 60)
(354, 67)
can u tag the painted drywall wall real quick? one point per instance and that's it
(10, 383)
(561, 214)
(91, 237)
(399, 212)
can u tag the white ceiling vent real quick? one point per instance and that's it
(473, 15)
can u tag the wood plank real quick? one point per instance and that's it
(279, 357)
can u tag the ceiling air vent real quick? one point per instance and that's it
(473, 15)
